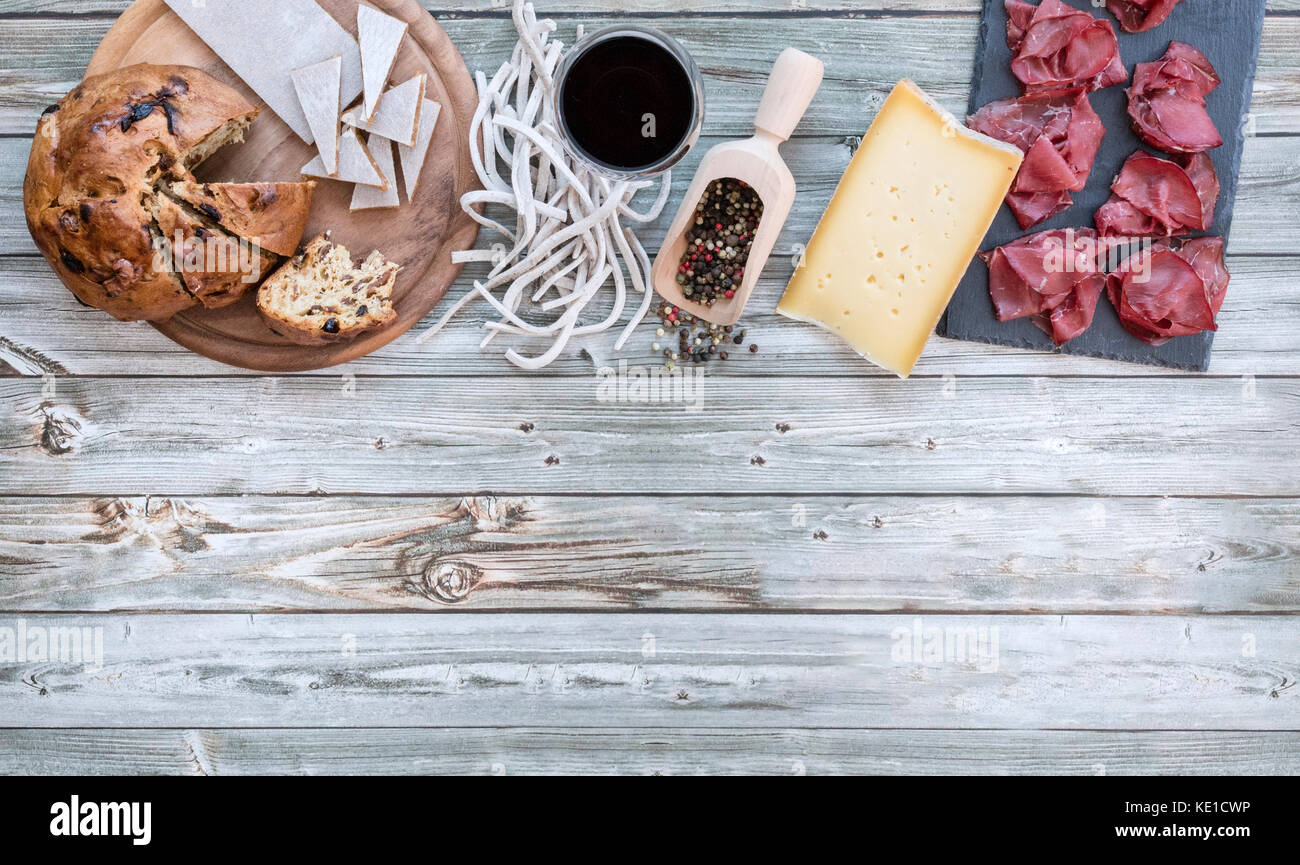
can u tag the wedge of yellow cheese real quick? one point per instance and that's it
(908, 217)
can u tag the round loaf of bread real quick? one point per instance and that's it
(96, 164)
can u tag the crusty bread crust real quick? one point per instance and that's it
(320, 297)
(93, 165)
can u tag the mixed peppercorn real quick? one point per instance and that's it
(698, 341)
(718, 242)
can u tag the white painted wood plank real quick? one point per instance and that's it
(1047, 672)
(44, 329)
(864, 56)
(587, 751)
(1141, 436)
(1011, 554)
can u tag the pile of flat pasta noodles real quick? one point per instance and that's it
(573, 229)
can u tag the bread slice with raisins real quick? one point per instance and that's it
(320, 296)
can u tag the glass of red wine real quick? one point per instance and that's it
(630, 101)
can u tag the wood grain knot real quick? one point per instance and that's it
(451, 582)
(490, 513)
(60, 431)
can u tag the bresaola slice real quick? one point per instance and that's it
(1206, 256)
(1054, 45)
(1200, 168)
(1167, 101)
(1139, 16)
(1154, 197)
(1052, 278)
(1167, 291)
(1060, 135)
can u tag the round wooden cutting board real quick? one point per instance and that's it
(419, 235)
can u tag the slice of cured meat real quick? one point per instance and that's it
(1167, 101)
(1139, 16)
(1165, 292)
(1060, 135)
(1054, 45)
(1200, 168)
(1154, 197)
(1206, 256)
(1051, 277)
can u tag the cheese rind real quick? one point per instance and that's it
(909, 215)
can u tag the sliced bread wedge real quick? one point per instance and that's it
(271, 215)
(215, 267)
(320, 296)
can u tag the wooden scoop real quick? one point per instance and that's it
(756, 161)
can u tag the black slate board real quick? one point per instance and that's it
(1228, 33)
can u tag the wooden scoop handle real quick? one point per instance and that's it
(790, 88)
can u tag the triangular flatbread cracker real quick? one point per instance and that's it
(319, 87)
(356, 165)
(413, 158)
(380, 36)
(370, 198)
(398, 117)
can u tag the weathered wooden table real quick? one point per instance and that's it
(428, 562)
